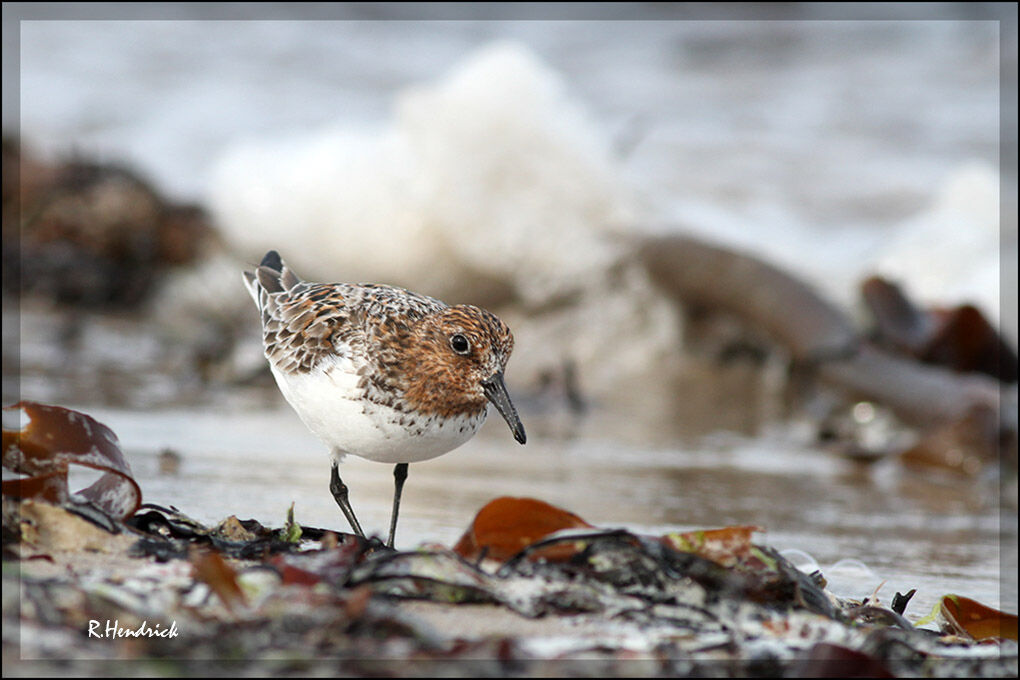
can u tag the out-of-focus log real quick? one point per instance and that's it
(762, 295)
(817, 333)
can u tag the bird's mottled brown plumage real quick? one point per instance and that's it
(398, 341)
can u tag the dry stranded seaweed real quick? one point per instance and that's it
(692, 603)
(966, 617)
(614, 598)
(41, 441)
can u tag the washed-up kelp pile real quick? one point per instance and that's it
(530, 589)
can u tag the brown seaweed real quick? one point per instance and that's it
(49, 439)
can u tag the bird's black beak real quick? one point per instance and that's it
(495, 391)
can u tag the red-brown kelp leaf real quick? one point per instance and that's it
(965, 340)
(507, 525)
(211, 569)
(48, 439)
(960, 337)
(969, 618)
(727, 546)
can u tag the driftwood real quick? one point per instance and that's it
(819, 335)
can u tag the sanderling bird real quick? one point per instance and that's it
(380, 372)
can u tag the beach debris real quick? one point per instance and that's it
(211, 569)
(233, 530)
(964, 617)
(43, 528)
(697, 602)
(506, 525)
(730, 546)
(169, 462)
(291, 532)
(901, 600)
(40, 442)
(167, 533)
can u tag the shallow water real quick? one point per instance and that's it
(815, 144)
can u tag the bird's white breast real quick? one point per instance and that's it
(330, 403)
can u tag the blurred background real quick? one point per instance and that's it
(525, 164)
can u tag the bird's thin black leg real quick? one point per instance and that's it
(399, 476)
(339, 491)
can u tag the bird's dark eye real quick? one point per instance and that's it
(460, 344)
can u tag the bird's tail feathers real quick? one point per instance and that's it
(271, 276)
